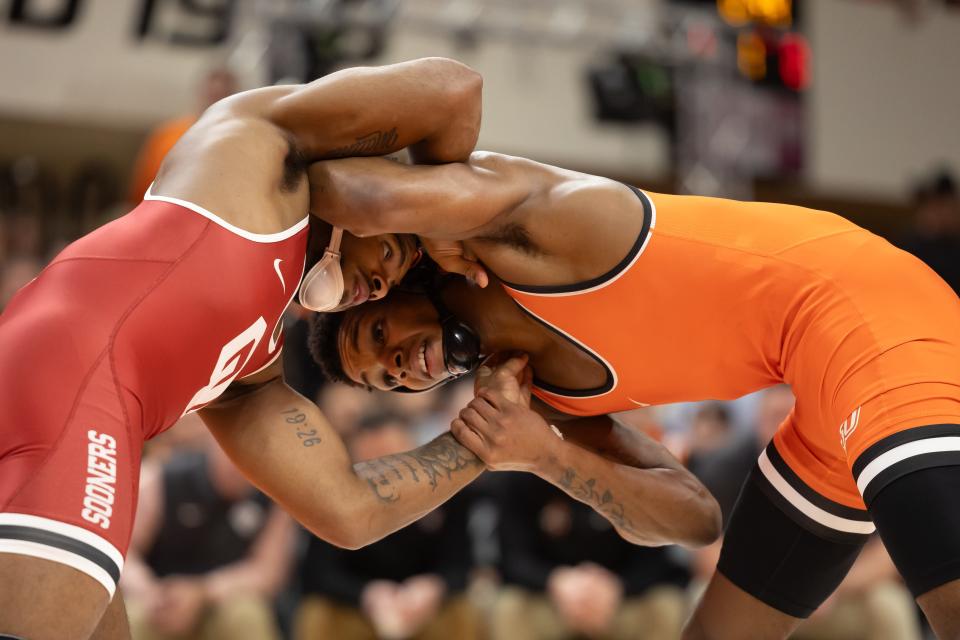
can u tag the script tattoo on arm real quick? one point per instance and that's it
(298, 420)
(604, 502)
(373, 143)
(437, 460)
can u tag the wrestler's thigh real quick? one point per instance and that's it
(727, 612)
(44, 600)
(942, 608)
(772, 571)
(919, 521)
(114, 625)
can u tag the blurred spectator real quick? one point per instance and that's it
(208, 553)
(190, 434)
(218, 83)
(569, 574)
(345, 406)
(409, 585)
(724, 464)
(25, 235)
(16, 273)
(299, 369)
(935, 237)
(720, 457)
(870, 604)
(775, 405)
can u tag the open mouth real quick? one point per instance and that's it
(422, 362)
(361, 290)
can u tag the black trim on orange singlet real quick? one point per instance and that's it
(620, 266)
(801, 487)
(570, 393)
(945, 456)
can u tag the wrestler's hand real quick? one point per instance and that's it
(453, 257)
(507, 436)
(511, 378)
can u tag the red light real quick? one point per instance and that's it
(794, 62)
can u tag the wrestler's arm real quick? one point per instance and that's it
(370, 196)
(632, 481)
(609, 438)
(431, 105)
(284, 445)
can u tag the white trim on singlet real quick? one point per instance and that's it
(49, 550)
(806, 507)
(583, 346)
(243, 233)
(899, 454)
(69, 530)
(612, 279)
(271, 361)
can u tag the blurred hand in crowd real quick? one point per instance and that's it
(587, 597)
(177, 604)
(400, 610)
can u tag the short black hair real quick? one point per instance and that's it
(323, 340)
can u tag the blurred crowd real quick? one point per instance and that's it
(508, 558)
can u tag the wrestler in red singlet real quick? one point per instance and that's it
(144, 320)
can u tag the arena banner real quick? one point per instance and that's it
(125, 62)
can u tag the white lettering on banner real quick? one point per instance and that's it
(233, 358)
(101, 487)
(146, 55)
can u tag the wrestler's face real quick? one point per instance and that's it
(393, 342)
(371, 266)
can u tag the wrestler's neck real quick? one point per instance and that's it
(499, 323)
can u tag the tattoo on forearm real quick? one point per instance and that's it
(605, 503)
(374, 143)
(298, 420)
(441, 458)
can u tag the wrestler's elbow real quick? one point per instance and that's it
(457, 111)
(463, 86)
(342, 530)
(705, 523)
(342, 538)
(691, 516)
(349, 540)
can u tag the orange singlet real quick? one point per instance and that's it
(719, 298)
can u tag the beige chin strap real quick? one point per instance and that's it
(335, 237)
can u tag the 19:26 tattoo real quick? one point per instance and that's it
(308, 437)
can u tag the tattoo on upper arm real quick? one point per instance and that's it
(441, 458)
(373, 143)
(605, 503)
(298, 420)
